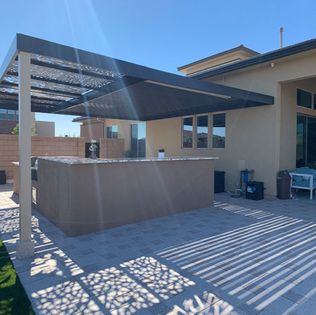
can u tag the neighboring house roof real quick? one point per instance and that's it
(261, 58)
(81, 118)
(223, 53)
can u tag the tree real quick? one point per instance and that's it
(16, 130)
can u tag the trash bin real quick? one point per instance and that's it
(283, 185)
(2, 178)
(219, 182)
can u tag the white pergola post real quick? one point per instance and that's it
(25, 246)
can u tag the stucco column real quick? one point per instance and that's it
(25, 246)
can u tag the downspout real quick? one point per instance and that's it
(103, 121)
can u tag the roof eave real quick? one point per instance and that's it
(226, 52)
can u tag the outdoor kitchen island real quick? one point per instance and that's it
(82, 195)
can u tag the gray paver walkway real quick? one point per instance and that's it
(238, 257)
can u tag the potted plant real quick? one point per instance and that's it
(128, 153)
(161, 153)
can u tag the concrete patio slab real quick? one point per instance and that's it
(238, 257)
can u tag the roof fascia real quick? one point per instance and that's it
(105, 116)
(223, 53)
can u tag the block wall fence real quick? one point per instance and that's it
(111, 148)
(54, 146)
(41, 146)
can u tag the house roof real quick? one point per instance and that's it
(258, 59)
(82, 118)
(66, 80)
(223, 53)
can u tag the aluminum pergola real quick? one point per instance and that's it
(65, 80)
(46, 77)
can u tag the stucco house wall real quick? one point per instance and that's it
(264, 137)
(242, 136)
(91, 131)
(97, 129)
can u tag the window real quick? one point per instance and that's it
(11, 115)
(187, 132)
(3, 114)
(219, 130)
(304, 98)
(16, 115)
(112, 132)
(202, 132)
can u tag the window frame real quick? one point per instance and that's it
(312, 98)
(182, 131)
(8, 114)
(196, 132)
(111, 131)
(5, 113)
(212, 134)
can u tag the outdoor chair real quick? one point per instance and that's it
(304, 178)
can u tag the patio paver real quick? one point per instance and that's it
(238, 257)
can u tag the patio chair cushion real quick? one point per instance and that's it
(303, 183)
(306, 170)
(297, 179)
(303, 180)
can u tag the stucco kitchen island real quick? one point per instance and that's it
(82, 195)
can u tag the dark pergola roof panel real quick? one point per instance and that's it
(69, 81)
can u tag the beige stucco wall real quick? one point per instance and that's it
(242, 136)
(94, 130)
(124, 129)
(280, 81)
(265, 137)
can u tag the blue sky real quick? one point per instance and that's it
(162, 34)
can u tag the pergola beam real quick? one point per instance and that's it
(43, 90)
(14, 96)
(33, 77)
(77, 71)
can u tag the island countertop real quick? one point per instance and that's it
(82, 195)
(80, 160)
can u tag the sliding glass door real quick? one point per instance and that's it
(138, 140)
(305, 141)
